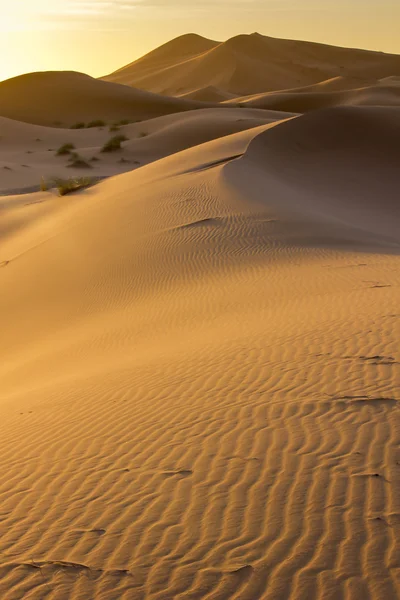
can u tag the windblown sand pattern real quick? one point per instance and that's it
(200, 371)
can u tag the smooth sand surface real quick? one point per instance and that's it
(63, 99)
(200, 369)
(385, 92)
(201, 69)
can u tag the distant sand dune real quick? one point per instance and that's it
(249, 64)
(65, 98)
(209, 94)
(324, 95)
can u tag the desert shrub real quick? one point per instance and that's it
(97, 123)
(65, 149)
(113, 128)
(79, 125)
(67, 186)
(114, 143)
(143, 134)
(43, 185)
(77, 162)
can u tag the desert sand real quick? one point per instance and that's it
(200, 364)
(202, 69)
(62, 99)
(28, 152)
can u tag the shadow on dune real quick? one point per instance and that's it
(337, 167)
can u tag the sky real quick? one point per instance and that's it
(100, 36)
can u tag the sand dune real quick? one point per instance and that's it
(324, 95)
(28, 152)
(326, 163)
(64, 98)
(209, 94)
(249, 64)
(200, 371)
(165, 57)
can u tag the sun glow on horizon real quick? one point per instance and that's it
(99, 36)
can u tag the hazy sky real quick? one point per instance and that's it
(99, 36)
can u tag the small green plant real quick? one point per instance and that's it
(67, 186)
(65, 149)
(114, 143)
(79, 125)
(77, 162)
(97, 123)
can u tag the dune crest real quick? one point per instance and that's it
(249, 64)
(30, 153)
(326, 163)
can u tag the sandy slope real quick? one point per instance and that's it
(63, 98)
(209, 94)
(200, 373)
(29, 152)
(248, 64)
(324, 95)
(166, 56)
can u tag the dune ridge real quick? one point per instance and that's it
(249, 64)
(28, 153)
(324, 95)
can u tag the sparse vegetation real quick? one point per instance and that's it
(94, 159)
(65, 149)
(79, 125)
(97, 123)
(142, 134)
(124, 122)
(114, 143)
(67, 186)
(77, 162)
(43, 185)
(113, 128)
